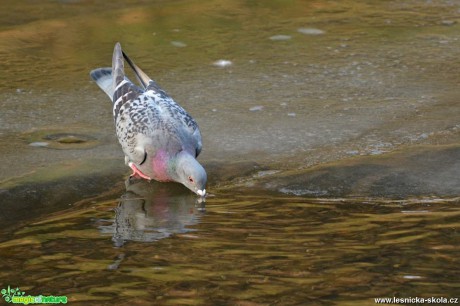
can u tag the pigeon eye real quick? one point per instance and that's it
(190, 179)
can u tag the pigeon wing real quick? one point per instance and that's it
(164, 107)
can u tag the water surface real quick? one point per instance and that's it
(166, 248)
(331, 140)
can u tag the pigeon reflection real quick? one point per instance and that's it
(152, 211)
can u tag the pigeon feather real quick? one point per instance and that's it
(159, 138)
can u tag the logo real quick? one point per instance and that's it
(16, 296)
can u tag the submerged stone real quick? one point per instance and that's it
(417, 172)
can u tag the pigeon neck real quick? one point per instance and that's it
(166, 167)
(161, 167)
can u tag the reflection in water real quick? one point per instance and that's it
(152, 211)
(248, 250)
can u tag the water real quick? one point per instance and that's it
(331, 141)
(166, 248)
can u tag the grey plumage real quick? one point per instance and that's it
(156, 134)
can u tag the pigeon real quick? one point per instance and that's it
(160, 140)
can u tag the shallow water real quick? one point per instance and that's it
(164, 247)
(356, 101)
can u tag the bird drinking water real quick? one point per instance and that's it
(161, 141)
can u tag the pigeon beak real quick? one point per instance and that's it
(202, 193)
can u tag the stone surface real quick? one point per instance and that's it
(416, 172)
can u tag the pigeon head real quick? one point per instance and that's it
(191, 174)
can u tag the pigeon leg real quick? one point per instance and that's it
(138, 172)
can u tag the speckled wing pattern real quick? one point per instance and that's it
(146, 118)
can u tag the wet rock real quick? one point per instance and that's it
(59, 185)
(56, 187)
(416, 172)
(219, 172)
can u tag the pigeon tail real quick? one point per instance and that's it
(123, 89)
(103, 78)
(146, 82)
(118, 68)
(143, 78)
